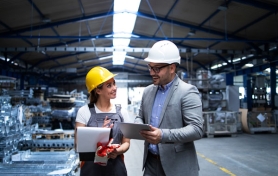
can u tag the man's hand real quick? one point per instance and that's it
(153, 136)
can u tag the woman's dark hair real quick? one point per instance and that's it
(93, 94)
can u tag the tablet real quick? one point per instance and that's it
(132, 130)
(88, 137)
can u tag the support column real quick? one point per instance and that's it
(272, 85)
(248, 89)
(22, 78)
(230, 79)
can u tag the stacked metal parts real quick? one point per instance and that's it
(41, 164)
(64, 109)
(219, 120)
(10, 130)
(28, 143)
(17, 144)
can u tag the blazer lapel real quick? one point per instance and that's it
(169, 96)
(151, 97)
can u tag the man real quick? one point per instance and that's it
(173, 108)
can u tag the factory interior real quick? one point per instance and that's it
(228, 50)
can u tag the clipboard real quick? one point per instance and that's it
(132, 130)
(88, 137)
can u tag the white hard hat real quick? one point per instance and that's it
(164, 52)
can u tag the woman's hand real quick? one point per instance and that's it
(114, 153)
(107, 123)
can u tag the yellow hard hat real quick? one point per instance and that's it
(97, 76)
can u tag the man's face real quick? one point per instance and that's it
(160, 72)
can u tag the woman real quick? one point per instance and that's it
(100, 112)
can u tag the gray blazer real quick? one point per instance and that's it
(181, 122)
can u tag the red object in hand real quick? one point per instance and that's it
(103, 151)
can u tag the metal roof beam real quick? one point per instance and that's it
(117, 81)
(54, 58)
(112, 49)
(246, 26)
(258, 4)
(7, 27)
(144, 15)
(58, 23)
(143, 38)
(223, 59)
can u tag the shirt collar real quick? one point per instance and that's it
(167, 86)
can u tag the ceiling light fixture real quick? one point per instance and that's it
(249, 65)
(46, 20)
(191, 32)
(123, 24)
(222, 7)
(105, 57)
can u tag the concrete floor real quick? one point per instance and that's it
(243, 155)
(246, 154)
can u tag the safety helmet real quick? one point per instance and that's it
(164, 52)
(97, 76)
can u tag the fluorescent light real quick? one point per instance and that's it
(123, 24)
(2, 58)
(120, 35)
(46, 20)
(106, 57)
(109, 35)
(222, 7)
(249, 65)
(191, 32)
(119, 57)
(236, 59)
(130, 57)
(216, 66)
(101, 58)
(121, 42)
(126, 5)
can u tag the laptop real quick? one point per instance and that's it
(132, 130)
(87, 139)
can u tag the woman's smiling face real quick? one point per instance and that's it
(109, 89)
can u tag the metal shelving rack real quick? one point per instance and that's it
(218, 120)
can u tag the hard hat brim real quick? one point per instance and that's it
(163, 61)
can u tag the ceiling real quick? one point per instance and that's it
(62, 40)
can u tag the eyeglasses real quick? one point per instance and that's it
(157, 69)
